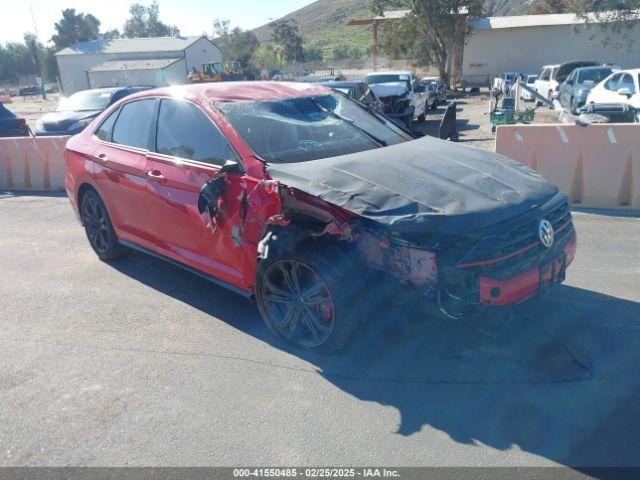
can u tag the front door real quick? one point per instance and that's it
(189, 151)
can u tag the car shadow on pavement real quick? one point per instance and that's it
(559, 378)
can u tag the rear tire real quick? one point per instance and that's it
(97, 225)
(550, 98)
(311, 298)
(421, 118)
(572, 106)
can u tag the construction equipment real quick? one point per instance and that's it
(219, 72)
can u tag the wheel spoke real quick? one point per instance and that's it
(315, 294)
(290, 320)
(290, 274)
(317, 330)
(277, 294)
(89, 217)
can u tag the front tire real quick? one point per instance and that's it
(99, 229)
(309, 298)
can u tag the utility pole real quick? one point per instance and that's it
(38, 63)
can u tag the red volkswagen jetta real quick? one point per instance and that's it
(314, 205)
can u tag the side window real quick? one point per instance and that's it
(134, 123)
(612, 83)
(545, 74)
(104, 130)
(185, 131)
(627, 82)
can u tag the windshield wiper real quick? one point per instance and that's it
(328, 111)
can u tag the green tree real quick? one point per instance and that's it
(237, 45)
(265, 57)
(617, 20)
(145, 22)
(543, 7)
(345, 51)
(286, 35)
(312, 54)
(111, 34)
(75, 27)
(432, 30)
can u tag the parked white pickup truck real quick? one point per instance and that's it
(403, 95)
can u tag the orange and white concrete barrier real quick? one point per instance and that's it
(597, 165)
(32, 163)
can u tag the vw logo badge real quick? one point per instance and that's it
(545, 232)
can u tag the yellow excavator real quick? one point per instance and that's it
(218, 72)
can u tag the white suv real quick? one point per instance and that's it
(546, 84)
(403, 95)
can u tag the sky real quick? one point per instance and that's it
(192, 17)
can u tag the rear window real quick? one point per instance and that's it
(133, 126)
(5, 113)
(590, 77)
(387, 78)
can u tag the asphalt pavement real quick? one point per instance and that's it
(140, 363)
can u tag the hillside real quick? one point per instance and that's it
(324, 22)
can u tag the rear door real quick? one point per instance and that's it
(189, 151)
(120, 168)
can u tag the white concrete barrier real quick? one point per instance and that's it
(32, 163)
(597, 165)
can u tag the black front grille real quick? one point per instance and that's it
(518, 244)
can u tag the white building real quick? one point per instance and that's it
(526, 43)
(157, 61)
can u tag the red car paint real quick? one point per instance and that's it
(152, 200)
(520, 288)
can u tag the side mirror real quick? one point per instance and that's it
(231, 166)
(625, 92)
(556, 95)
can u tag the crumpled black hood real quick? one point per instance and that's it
(425, 185)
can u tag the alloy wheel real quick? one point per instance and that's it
(95, 220)
(298, 303)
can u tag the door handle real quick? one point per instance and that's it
(102, 158)
(156, 176)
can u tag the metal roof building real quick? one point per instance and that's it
(157, 61)
(525, 43)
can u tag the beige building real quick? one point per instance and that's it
(156, 61)
(525, 43)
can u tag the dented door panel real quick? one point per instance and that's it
(188, 236)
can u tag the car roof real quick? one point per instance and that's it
(392, 72)
(225, 92)
(551, 66)
(101, 90)
(595, 67)
(117, 89)
(341, 84)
